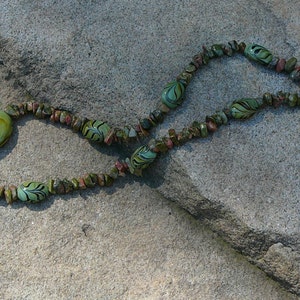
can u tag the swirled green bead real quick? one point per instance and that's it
(32, 191)
(172, 94)
(5, 127)
(95, 130)
(244, 108)
(258, 53)
(141, 158)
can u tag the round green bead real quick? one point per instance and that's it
(32, 191)
(95, 130)
(5, 127)
(258, 53)
(172, 94)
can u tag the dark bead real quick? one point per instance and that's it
(211, 126)
(12, 110)
(290, 64)
(295, 75)
(173, 136)
(108, 180)
(68, 186)
(146, 124)
(293, 100)
(156, 116)
(89, 180)
(217, 50)
(227, 50)
(234, 45)
(267, 98)
(2, 189)
(39, 112)
(241, 47)
(114, 173)
(8, 196)
(198, 60)
(47, 111)
(185, 77)
(280, 65)
(273, 63)
(59, 187)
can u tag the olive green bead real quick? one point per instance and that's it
(13, 110)
(290, 64)
(95, 130)
(244, 108)
(172, 94)
(217, 50)
(156, 116)
(234, 45)
(258, 53)
(200, 129)
(203, 130)
(267, 98)
(5, 127)
(292, 100)
(32, 191)
(295, 75)
(219, 118)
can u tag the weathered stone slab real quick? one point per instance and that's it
(110, 61)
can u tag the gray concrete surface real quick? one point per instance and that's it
(110, 60)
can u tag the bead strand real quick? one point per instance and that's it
(263, 56)
(34, 191)
(241, 109)
(143, 156)
(172, 96)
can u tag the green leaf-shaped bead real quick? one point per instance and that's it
(258, 53)
(141, 158)
(172, 94)
(32, 191)
(5, 127)
(244, 108)
(95, 130)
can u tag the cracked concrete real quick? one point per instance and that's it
(109, 61)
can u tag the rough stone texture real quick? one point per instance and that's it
(109, 60)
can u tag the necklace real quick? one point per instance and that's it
(172, 96)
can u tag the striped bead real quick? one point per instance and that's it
(95, 130)
(5, 127)
(31, 191)
(244, 108)
(172, 94)
(258, 53)
(141, 159)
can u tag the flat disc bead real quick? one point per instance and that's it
(32, 191)
(5, 127)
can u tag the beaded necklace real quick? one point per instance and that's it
(172, 96)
